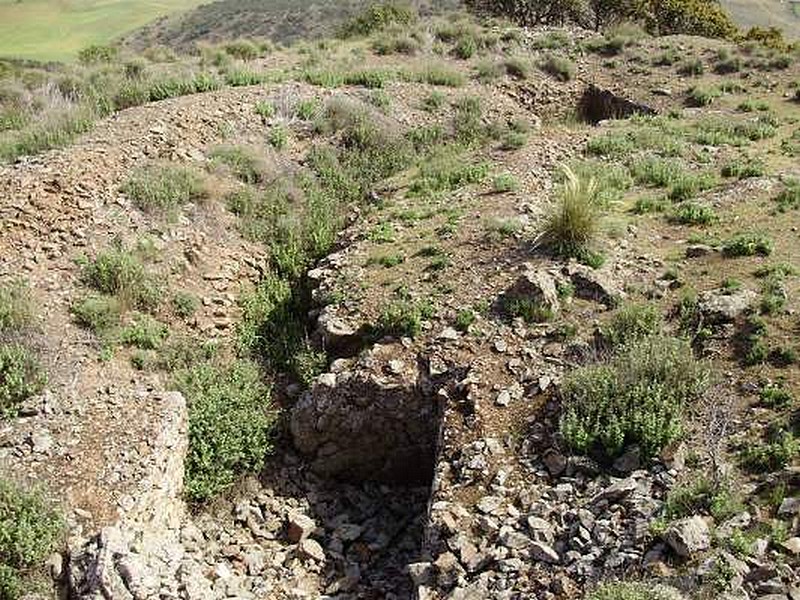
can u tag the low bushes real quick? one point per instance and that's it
(230, 424)
(637, 397)
(29, 531)
(162, 189)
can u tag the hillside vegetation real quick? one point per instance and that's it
(569, 257)
(49, 30)
(767, 13)
(280, 21)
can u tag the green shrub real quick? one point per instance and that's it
(242, 49)
(630, 591)
(15, 306)
(571, 225)
(231, 424)
(29, 531)
(20, 377)
(100, 314)
(245, 163)
(789, 197)
(637, 398)
(396, 44)
(308, 110)
(184, 304)
(144, 332)
(748, 244)
(693, 66)
(378, 17)
(631, 323)
(505, 182)
(744, 168)
(403, 318)
(117, 272)
(441, 75)
(691, 213)
(775, 396)
(513, 140)
(161, 189)
(464, 320)
(97, 53)
(690, 17)
(688, 185)
(265, 109)
(559, 67)
(530, 311)
(242, 77)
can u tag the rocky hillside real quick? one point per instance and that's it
(446, 310)
(279, 21)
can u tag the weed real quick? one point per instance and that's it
(278, 137)
(693, 67)
(100, 314)
(692, 213)
(464, 320)
(777, 451)
(505, 182)
(383, 233)
(308, 110)
(558, 66)
(161, 189)
(434, 101)
(748, 244)
(403, 318)
(773, 295)
(775, 396)
(246, 164)
(702, 495)
(386, 260)
(117, 272)
(309, 363)
(265, 109)
(789, 197)
(446, 171)
(637, 398)
(702, 96)
(630, 590)
(513, 140)
(517, 67)
(467, 123)
(21, 376)
(529, 310)
(230, 425)
(440, 75)
(29, 531)
(744, 168)
(499, 229)
(144, 333)
(648, 204)
(571, 226)
(184, 304)
(631, 323)
(15, 306)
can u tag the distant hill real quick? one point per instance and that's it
(783, 14)
(281, 21)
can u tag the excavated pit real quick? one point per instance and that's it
(598, 104)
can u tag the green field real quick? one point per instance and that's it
(58, 29)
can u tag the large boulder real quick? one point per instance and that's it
(688, 536)
(722, 306)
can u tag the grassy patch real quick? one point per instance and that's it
(118, 272)
(162, 189)
(559, 67)
(692, 213)
(748, 244)
(403, 318)
(571, 225)
(631, 323)
(15, 306)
